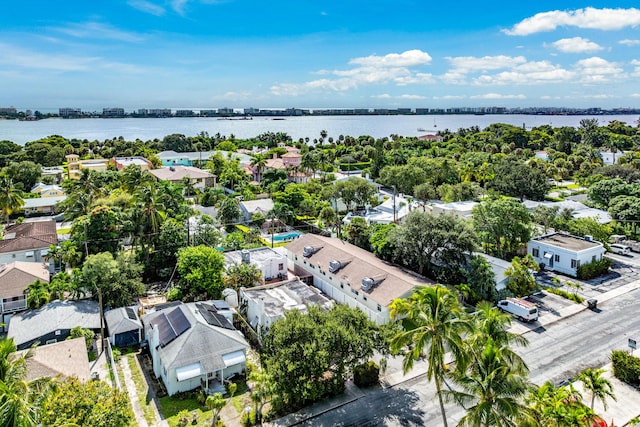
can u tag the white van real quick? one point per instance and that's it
(519, 307)
(617, 248)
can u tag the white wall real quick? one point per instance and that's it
(563, 264)
(330, 286)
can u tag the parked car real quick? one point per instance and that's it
(520, 308)
(620, 249)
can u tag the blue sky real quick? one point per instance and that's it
(313, 54)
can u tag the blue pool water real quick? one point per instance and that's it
(286, 236)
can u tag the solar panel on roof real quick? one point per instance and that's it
(165, 330)
(178, 321)
(212, 317)
(130, 313)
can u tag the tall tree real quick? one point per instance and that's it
(423, 240)
(504, 226)
(10, 198)
(598, 386)
(200, 268)
(215, 403)
(434, 323)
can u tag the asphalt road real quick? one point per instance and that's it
(554, 354)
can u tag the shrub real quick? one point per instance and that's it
(248, 418)
(568, 295)
(174, 294)
(626, 367)
(116, 354)
(594, 269)
(366, 374)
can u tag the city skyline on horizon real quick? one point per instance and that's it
(409, 54)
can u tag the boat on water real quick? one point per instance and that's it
(422, 130)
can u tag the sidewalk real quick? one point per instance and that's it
(352, 393)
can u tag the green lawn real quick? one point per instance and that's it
(141, 389)
(172, 406)
(64, 230)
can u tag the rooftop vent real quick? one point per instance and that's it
(246, 256)
(335, 265)
(307, 251)
(588, 238)
(369, 283)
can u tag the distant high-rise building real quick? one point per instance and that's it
(69, 112)
(113, 112)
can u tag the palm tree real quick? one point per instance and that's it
(54, 253)
(258, 163)
(10, 198)
(556, 407)
(492, 386)
(215, 403)
(599, 387)
(433, 322)
(261, 391)
(491, 323)
(20, 400)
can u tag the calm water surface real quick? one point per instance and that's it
(297, 127)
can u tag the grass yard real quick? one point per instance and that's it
(64, 230)
(141, 389)
(173, 407)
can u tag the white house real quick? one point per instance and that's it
(194, 345)
(564, 253)
(351, 275)
(394, 209)
(250, 207)
(272, 264)
(459, 209)
(268, 303)
(610, 158)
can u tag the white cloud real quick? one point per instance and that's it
(598, 70)
(407, 96)
(450, 97)
(635, 95)
(588, 18)
(465, 64)
(629, 42)
(576, 45)
(393, 68)
(382, 96)
(179, 5)
(33, 60)
(410, 58)
(497, 96)
(147, 7)
(97, 30)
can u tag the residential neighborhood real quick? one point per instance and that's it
(272, 280)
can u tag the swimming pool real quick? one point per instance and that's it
(286, 236)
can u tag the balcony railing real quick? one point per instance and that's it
(9, 306)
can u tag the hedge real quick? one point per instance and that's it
(594, 269)
(626, 367)
(366, 374)
(568, 295)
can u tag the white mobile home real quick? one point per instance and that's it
(564, 253)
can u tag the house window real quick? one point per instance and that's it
(281, 266)
(575, 263)
(379, 307)
(296, 257)
(364, 298)
(341, 285)
(58, 332)
(354, 291)
(593, 258)
(53, 341)
(556, 258)
(312, 266)
(535, 252)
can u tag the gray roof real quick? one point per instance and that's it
(33, 324)
(580, 210)
(202, 342)
(252, 206)
(118, 320)
(41, 202)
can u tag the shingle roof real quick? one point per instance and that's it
(251, 206)
(29, 236)
(118, 320)
(33, 324)
(67, 358)
(16, 276)
(202, 342)
(397, 282)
